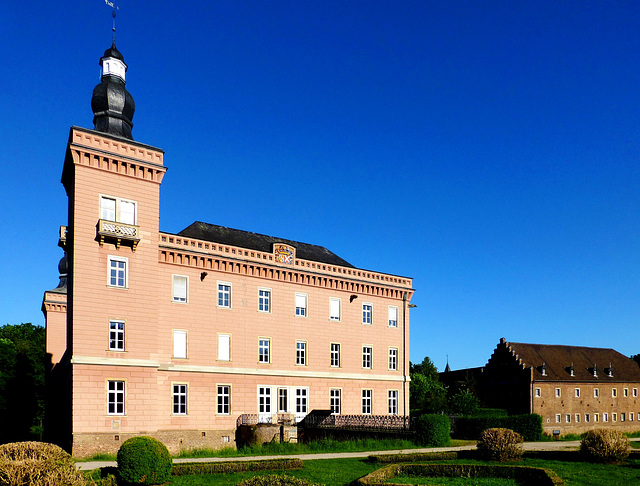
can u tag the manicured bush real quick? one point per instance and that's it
(529, 426)
(144, 460)
(274, 480)
(500, 445)
(432, 430)
(601, 445)
(38, 464)
(233, 467)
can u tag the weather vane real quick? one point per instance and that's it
(113, 14)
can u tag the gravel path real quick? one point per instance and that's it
(528, 446)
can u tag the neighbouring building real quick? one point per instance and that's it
(573, 388)
(180, 336)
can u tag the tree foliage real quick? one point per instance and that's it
(22, 366)
(426, 395)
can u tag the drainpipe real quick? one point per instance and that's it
(404, 356)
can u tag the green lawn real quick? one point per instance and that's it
(344, 471)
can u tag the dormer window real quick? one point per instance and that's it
(544, 369)
(571, 370)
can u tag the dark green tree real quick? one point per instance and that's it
(463, 402)
(22, 365)
(426, 368)
(636, 358)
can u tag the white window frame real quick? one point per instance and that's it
(367, 313)
(614, 393)
(179, 394)
(596, 417)
(180, 344)
(116, 396)
(225, 289)
(283, 400)
(335, 309)
(558, 418)
(367, 357)
(577, 393)
(335, 401)
(118, 211)
(264, 401)
(116, 335)
(625, 392)
(634, 392)
(393, 316)
(567, 418)
(301, 303)
(367, 401)
(393, 359)
(614, 417)
(605, 417)
(118, 270)
(301, 353)
(264, 300)
(623, 417)
(630, 416)
(179, 291)
(302, 402)
(587, 418)
(264, 350)
(596, 393)
(334, 350)
(558, 392)
(223, 399)
(538, 392)
(224, 347)
(392, 401)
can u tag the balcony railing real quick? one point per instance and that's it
(119, 232)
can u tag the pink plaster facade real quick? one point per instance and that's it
(146, 381)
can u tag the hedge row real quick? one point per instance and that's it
(414, 457)
(527, 476)
(529, 426)
(432, 430)
(236, 466)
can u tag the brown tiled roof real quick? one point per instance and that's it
(558, 359)
(256, 241)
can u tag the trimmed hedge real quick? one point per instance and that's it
(233, 467)
(144, 460)
(524, 475)
(275, 480)
(500, 445)
(414, 457)
(529, 426)
(433, 430)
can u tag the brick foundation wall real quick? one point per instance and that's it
(87, 445)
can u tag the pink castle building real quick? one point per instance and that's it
(183, 336)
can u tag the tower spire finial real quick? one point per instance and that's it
(113, 14)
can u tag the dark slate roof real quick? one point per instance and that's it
(258, 242)
(558, 359)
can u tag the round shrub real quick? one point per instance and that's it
(601, 445)
(500, 445)
(144, 460)
(274, 480)
(38, 464)
(432, 430)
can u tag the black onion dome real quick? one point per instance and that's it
(112, 52)
(112, 104)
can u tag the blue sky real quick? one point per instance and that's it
(487, 149)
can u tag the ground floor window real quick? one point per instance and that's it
(393, 402)
(224, 399)
(367, 396)
(179, 399)
(335, 401)
(115, 397)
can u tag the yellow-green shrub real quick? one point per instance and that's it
(500, 445)
(38, 464)
(144, 460)
(601, 445)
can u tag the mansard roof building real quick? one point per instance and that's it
(184, 336)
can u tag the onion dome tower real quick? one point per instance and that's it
(112, 104)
